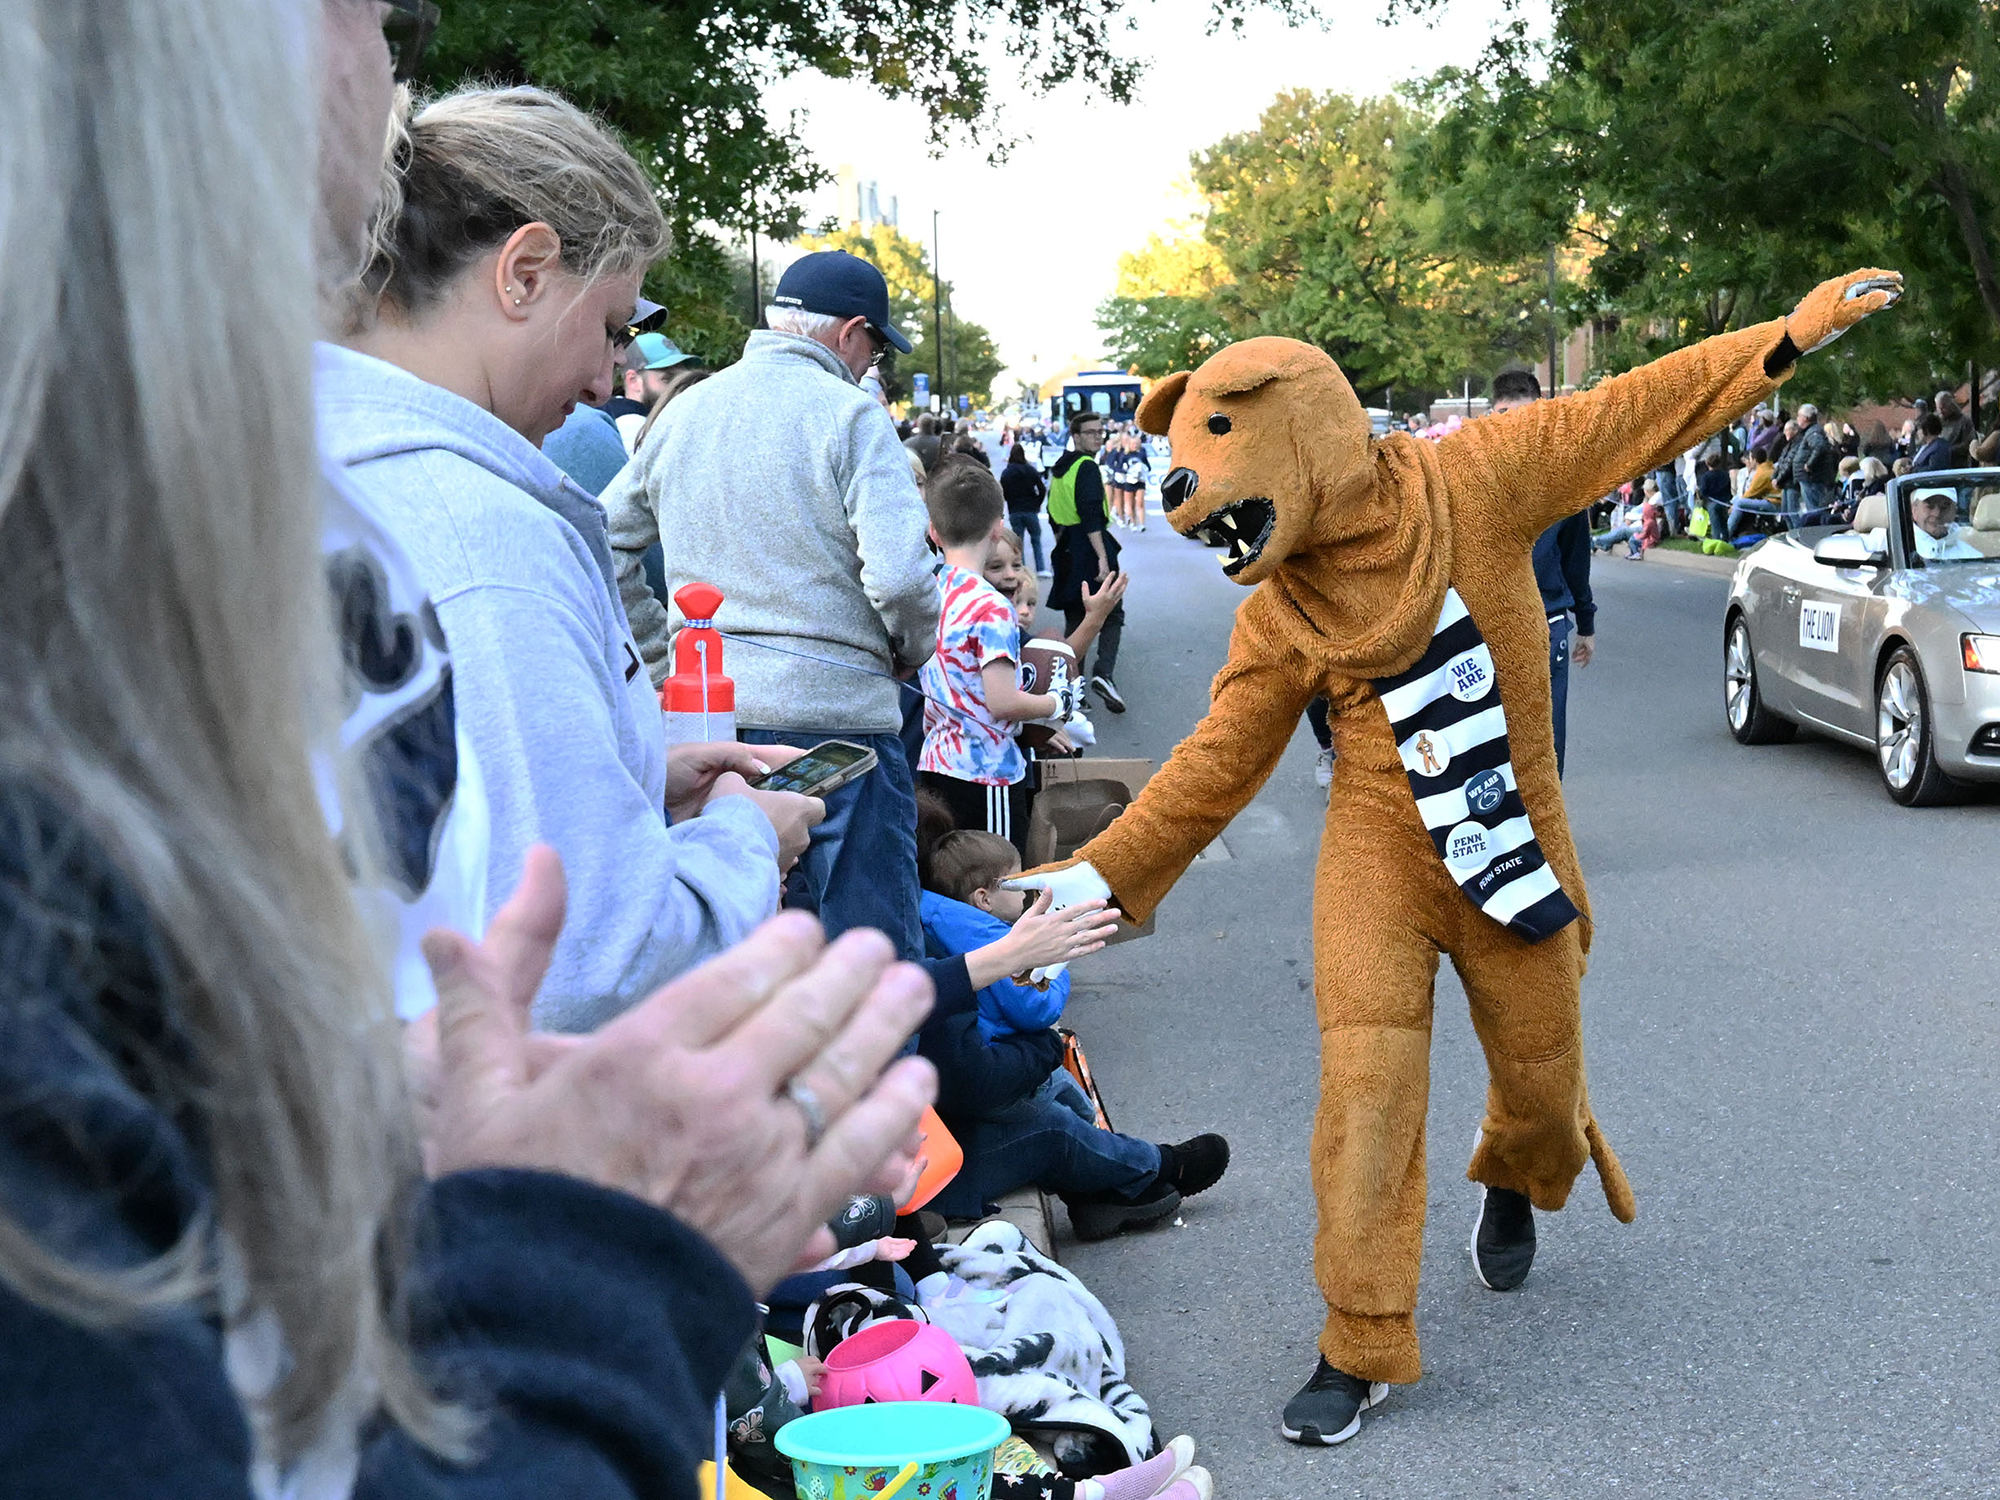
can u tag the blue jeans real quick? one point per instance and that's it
(1027, 526)
(1743, 508)
(1047, 1140)
(1559, 634)
(860, 870)
(1815, 503)
(1626, 534)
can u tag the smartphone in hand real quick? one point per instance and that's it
(821, 771)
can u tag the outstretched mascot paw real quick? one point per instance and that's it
(1833, 307)
(1067, 883)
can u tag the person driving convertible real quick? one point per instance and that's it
(1936, 535)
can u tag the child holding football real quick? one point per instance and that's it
(971, 758)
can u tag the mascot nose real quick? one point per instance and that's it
(1177, 489)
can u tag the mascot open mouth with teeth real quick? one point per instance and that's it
(1394, 577)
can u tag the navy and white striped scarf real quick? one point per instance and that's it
(1452, 735)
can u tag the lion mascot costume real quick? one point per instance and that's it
(1393, 576)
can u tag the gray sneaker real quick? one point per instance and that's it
(1107, 693)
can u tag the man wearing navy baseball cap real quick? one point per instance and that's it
(838, 285)
(780, 481)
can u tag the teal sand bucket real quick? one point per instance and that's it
(862, 1452)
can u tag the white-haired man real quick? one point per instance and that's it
(1815, 467)
(780, 481)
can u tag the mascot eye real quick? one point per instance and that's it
(1218, 424)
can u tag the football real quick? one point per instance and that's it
(1046, 666)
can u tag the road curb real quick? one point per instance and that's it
(1699, 562)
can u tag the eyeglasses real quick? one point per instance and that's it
(408, 28)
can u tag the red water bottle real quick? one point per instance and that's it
(700, 702)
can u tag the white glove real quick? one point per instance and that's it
(1066, 887)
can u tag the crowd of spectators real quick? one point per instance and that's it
(1776, 469)
(413, 1084)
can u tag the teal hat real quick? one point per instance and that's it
(656, 351)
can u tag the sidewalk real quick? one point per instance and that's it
(1700, 562)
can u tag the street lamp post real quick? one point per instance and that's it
(1555, 376)
(937, 307)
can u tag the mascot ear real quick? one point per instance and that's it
(1156, 412)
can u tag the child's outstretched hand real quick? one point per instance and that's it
(1099, 602)
(1043, 936)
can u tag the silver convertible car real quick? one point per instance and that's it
(1885, 634)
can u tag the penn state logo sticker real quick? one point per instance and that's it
(1465, 849)
(1485, 791)
(1428, 755)
(1470, 675)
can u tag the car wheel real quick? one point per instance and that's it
(1905, 739)
(1749, 720)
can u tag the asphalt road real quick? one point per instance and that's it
(1791, 1016)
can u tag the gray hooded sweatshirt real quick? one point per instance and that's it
(780, 481)
(550, 690)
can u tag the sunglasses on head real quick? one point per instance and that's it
(408, 29)
(623, 338)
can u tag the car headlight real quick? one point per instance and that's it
(1982, 652)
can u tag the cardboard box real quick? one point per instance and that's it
(1078, 799)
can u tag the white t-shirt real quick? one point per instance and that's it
(403, 725)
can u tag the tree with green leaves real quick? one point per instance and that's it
(1709, 162)
(1315, 234)
(683, 81)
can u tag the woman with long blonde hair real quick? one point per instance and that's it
(222, 1270)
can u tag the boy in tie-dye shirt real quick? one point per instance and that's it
(971, 757)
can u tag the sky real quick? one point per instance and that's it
(1030, 249)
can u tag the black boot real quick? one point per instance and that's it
(1101, 1215)
(1194, 1166)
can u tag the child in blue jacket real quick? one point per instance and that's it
(1048, 1136)
(965, 909)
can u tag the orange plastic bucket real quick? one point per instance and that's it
(943, 1157)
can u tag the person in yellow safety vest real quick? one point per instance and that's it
(1085, 552)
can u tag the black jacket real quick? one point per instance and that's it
(1074, 560)
(1813, 457)
(594, 1329)
(1562, 571)
(977, 1077)
(1022, 485)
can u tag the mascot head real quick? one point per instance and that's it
(1264, 434)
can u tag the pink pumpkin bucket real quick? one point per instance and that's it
(896, 1360)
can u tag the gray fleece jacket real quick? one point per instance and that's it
(549, 689)
(781, 482)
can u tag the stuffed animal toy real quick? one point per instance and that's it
(1393, 576)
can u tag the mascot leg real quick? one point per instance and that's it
(1527, 1009)
(1374, 967)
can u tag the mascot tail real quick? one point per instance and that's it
(1617, 1191)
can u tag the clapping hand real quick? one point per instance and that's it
(748, 1097)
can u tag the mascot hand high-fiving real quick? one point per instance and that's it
(1394, 577)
